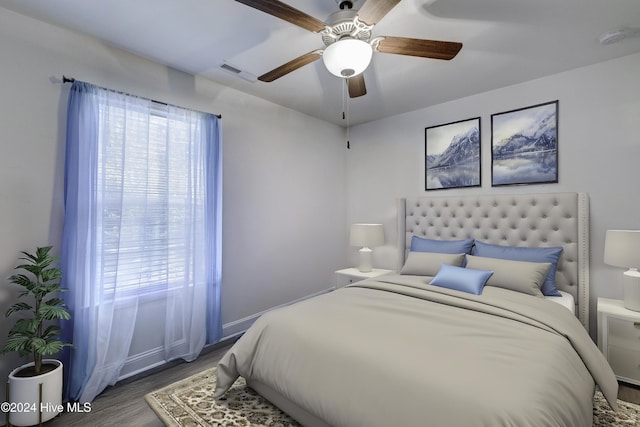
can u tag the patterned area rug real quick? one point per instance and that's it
(190, 403)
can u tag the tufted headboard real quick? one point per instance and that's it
(533, 220)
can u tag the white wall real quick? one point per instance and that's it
(599, 151)
(284, 172)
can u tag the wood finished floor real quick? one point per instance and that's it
(629, 393)
(124, 404)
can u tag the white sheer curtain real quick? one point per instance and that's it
(139, 178)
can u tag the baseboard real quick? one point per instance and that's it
(142, 362)
(237, 327)
(153, 358)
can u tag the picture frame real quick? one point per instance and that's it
(452, 155)
(524, 145)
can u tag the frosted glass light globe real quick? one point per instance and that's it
(347, 57)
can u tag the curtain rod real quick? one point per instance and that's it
(66, 79)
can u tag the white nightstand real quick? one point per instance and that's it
(351, 275)
(619, 338)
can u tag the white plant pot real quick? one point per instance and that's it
(24, 395)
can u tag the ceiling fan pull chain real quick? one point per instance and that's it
(345, 108)
(344, 104)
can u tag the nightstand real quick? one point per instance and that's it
(619, 338)
(351, 275)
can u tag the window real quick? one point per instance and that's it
(143, 210)
(148, 197)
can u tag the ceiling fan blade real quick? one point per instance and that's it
(419, 47)
(287, 13)
(356, 86)
(290, 66)
(372, 11)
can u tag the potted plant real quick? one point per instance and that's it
(36, 333)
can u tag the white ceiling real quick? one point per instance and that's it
(504, 42)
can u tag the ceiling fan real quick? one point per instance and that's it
(347, 37)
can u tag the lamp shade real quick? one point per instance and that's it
(347, 57)
(366, 235)
(622, 248)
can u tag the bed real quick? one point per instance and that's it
(453, 339)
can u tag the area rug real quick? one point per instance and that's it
(190, 403)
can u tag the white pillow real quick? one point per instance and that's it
(429, 263)
(519, 276)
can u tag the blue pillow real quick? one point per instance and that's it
(419, 244)
(461, 279)
(515, 253)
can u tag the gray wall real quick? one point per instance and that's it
(599, 149)
(283, 238)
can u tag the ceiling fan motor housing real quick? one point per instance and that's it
(342, 24)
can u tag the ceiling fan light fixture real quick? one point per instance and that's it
(347, 57)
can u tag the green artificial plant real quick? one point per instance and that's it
(34, 333)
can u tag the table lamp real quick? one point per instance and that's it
(366, 236)
(622, 249)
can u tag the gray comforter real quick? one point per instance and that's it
(397, 352)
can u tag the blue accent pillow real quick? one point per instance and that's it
(516, 253)
(419, 244)
(461, 279)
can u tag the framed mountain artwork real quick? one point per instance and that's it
(524, 145)
(452, 155)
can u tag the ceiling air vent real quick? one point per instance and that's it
(238, 72)
(230, 68)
